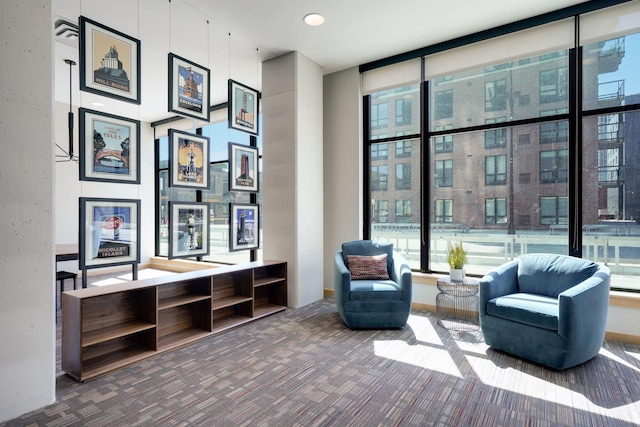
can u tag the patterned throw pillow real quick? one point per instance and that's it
(368, 267)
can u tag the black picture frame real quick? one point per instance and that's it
(188, 229)
(244, 107)
(243, 168)
(109, 62)
(109, 147)
(187, 79)
(188, 160)
(109, 232)
(244, 226)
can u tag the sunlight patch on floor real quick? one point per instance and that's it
(634, 355)
(612, 356)
(423, 329)
(515, 381)
(418, 355)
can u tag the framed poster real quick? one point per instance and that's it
(243, 168)
(244, 226)
(109, 62)
(188, 160)
(188, 88)
(109, 148)
(243, 107)
(188, 229)
(109, 232)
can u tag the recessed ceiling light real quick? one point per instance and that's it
(314, 19)
(97, 104)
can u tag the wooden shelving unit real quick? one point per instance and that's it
(106, 328)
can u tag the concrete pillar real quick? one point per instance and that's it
(27, 306)
(293, 172)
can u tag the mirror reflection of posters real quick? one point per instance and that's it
(243, 173)
(188, 160)
(189, 233)
(109, 148)
(244, 110)
(244, 227)
(109, 232)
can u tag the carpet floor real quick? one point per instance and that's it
(303, 367)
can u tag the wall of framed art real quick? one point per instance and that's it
(148, 58)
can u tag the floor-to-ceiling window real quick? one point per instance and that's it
(513, 155)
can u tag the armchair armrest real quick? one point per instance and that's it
(342, 279)
(401, 274)
(583, 308)
(502, 281)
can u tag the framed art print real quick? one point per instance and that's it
(109, 62)
(243, 107)
(243, 168)
(188, 160)
(109, 232)
(188, 229)
(188, 88)
(109, 148)
(244, 227)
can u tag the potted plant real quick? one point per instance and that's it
(456, 257)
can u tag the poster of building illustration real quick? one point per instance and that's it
(190, 161)
(190, 89)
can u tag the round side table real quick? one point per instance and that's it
(457, 304)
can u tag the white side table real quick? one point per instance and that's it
(457, 304)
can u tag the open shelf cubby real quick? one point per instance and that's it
(108, 327)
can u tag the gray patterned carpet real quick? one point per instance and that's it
(303, 367)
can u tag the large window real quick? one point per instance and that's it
(532, 169)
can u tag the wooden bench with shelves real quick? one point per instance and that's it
(108, 327)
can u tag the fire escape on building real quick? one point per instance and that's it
(611, 160)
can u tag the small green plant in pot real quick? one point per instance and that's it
(456, 257)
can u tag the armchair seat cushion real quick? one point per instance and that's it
(370, 290)
(534, 310)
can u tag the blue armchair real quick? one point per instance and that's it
(373, 302)
(550, 309)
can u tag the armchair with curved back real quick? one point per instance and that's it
(550, 309)
(372, 285)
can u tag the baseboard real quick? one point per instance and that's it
(611, 336)
(616, 336)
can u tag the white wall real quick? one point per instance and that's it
(342, 164)
(27, 354)
(292, 178)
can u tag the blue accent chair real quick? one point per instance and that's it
(373, 304)
(549, 309)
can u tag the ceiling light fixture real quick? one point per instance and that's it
(97, 104)
(314, 19)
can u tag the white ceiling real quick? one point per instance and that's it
(360, 31)
(355, 32)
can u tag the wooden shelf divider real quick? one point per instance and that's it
(109, 327)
